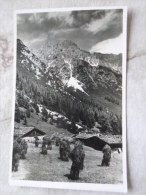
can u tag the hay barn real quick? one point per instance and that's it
(27, 132)
(98, 141)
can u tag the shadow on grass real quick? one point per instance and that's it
(70, 177)
(99, 165)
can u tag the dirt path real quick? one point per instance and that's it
(39, 167)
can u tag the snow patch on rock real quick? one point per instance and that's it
(76, 84)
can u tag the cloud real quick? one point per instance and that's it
(102, 24)
(114, 46)
(85, 28)
(31, 27)
(43, 21)
(63, 17)
(82, 18)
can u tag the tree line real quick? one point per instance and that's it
(75, 107)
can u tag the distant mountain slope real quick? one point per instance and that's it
(66, 60)
(68, 49)
(84, 87)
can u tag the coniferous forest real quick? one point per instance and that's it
(77, 107)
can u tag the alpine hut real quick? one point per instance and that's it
(98, 141)
(27, 132)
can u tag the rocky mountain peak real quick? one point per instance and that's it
(68, 43)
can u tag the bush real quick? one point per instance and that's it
(17, 115)
(111, 99)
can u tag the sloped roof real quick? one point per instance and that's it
(20, 131)
(84, 136)
(110, 139)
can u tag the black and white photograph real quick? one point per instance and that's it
(69, 127)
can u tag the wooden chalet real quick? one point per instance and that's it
(98, 141)
(27, 132)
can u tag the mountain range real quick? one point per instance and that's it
(68, 65)
(70, 72)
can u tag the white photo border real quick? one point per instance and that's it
(70, 185)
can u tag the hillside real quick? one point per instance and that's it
(84, 88)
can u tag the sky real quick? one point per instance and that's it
(92, 30)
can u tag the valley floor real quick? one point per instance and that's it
(39, 167)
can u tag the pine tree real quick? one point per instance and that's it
(17, 115)
(74, 128)
(28, 113)
(90, 119)
(44, 115)
(25, 121)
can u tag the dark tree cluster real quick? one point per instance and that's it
(111, 99)
(75, 107)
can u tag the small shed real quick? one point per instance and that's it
(27, 132)
(98, 141)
